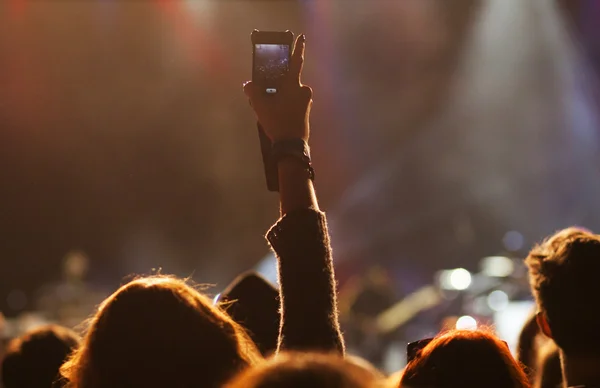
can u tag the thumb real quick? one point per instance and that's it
(307, 92)
(248, 87)
(253, 92)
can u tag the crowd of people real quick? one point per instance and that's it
(161, 331)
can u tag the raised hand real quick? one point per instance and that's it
(284, 115)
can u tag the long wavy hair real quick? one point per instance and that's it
(155, 332)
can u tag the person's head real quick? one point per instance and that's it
(33, 360)
(563, 273)
(156, 332)
(300, 370)
(464, 358)
(254, 303)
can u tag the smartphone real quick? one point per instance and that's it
(271, 53)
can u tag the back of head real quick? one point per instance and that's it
(360, 364)
(563, 273)
(254, 303)
(301, 370)
(158, 331)
(34, 359)
(464, 359)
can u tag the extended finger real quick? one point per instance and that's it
(297, 61)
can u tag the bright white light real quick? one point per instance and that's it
(267, 268)
(460, 279)
(497, 266)
(466, 322)
(216, 299)
(498, 300)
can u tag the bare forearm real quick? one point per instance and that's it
(296, 190)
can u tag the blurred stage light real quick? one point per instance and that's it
(2, 326)
(460, 279)
(199, 6)
(513, 241)
(497, 266)
(201, 10)
(498, 300)
(455, 279)
(480, 306)
(267, 268)
(466, 322)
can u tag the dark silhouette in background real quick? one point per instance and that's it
(33, 360)
(254, 303)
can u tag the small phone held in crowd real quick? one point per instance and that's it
(271, 53)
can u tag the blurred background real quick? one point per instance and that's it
(444, 132)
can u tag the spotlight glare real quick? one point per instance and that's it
(498, 300)
(460, 279)
(466, 322)
(497, 266)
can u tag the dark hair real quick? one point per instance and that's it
(465, 359)
(34, 359)
(253, 302)
(159, 332)
(301, 370)
(563, 273)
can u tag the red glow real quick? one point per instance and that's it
(198, 41)
(17, 8)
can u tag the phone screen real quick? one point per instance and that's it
(271, 64)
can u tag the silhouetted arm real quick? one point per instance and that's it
(309, 315)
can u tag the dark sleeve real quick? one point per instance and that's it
(309, 316)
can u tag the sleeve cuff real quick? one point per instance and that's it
(300, 226)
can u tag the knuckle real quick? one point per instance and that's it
(307, 91)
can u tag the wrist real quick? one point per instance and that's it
(283, 137)
(291, 132)
(293, 166)
(296, 190)
(293, 155)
